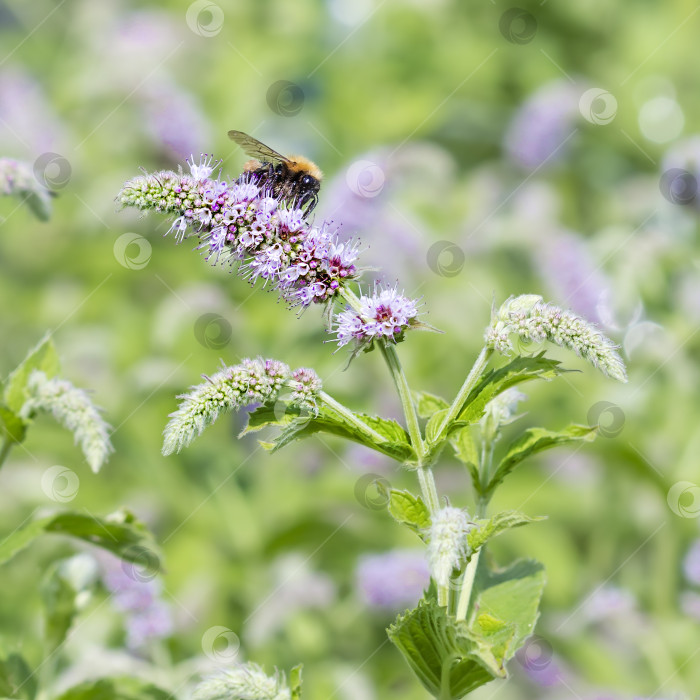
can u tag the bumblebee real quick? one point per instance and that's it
(294, 178)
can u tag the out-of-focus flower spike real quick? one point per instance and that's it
(70, 407)
(246, 682)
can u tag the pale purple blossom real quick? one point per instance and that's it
(608, 601)
(539, 131)
(568, 268)
(392, 580)
(240, 223)
(386, 314)
(691, 563)
(146, 616)
(690, 604)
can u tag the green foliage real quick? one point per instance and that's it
(382, 435)
(295, 681)
(408, 510)
(427, 404)
(486, 529)
(44, 358)
(17, 680)
(536, 440)
(115, 689)
(450, 657)
(120, 533)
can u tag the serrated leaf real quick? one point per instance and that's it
(489, 528)
(511, 595)
(115, 689)
(409, 510)
(12, 427)
(43, 357)
(440, 651)
(121, 533)
(270, 415)
(17, 680)
(496, 381)
(536, 440)
(395, 442)
(466, 452)
(295, 681)
(427, 404)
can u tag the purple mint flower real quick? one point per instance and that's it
(567, 266)
(174, 119)
(385, 314)
(691, 563)
(608, 601)
(240, 223)
(538, 132)
(154, 622)
(146, 616)
(392, 580)
(27, 121)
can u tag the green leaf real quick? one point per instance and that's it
(64, 591)
(115, 689)
(120, 533)
(427, 404)
(17, 680)
(507, 602)
(536, 440)
(295, 681)
(12, 427)
(433, 426)
(44, 358)
(297, 424)
(440, 651)
(520, 369)
(487, 529)
(409, 510)
(466, 452)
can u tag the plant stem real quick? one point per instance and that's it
(7, 444)
(467, 584)
(469, 383)
(351, 417)
(425, 473)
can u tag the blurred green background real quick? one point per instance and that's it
(478, 151)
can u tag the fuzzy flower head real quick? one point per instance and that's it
(253, 381)
(71, 408)
(530, 318)
(241, 223)
(17, 179)
(385, 314)
(447, 543)
(247, 682)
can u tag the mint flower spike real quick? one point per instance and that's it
(532, 319)
(17, 178)
(70, 407)
(447, 543)
(247, 682)
(240, 223)
(385, 314)
(253, 381)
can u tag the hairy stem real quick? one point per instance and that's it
(425, 473)
(465, 593)
(351, 417)
(469, 383)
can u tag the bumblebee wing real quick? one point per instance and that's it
(256, 149)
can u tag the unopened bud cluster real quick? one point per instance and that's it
(253, 381)
(447, 543)
(247, 682)
(529, 317)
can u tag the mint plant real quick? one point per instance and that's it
(474, 616)
(33, 388)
